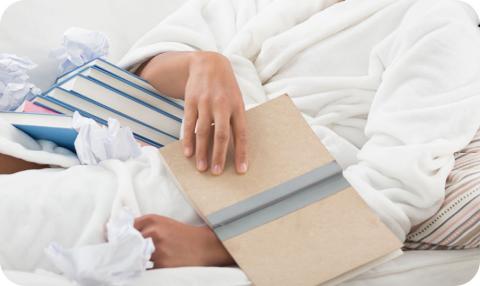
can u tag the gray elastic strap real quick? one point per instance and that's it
(278, 201)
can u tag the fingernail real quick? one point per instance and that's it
(202, 165)
(243, 168)
(216, 170)
(187, 151)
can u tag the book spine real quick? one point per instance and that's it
(73, 93)
(147, 91)
(154, 108)
(98, 119)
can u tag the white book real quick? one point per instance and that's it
(117, 72)
(134, 90)
(104, 95)
(45, 103)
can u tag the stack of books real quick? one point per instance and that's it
(101, 90)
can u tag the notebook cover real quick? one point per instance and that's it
(310, 246)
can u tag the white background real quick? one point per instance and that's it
(5, 3)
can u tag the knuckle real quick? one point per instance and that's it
(241, 137)
(157, 233)
(202, 132)
(239, 106)
(189, 123)
(239, 110)
(203, 129)
(204, 100)
(221, 135)
(149, 218)
(190, 101)
(188, 130)
(242, 154)
(187, 139)
(219, 101)
(149, 233)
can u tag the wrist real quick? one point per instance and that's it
(205, 60)
(214, 253)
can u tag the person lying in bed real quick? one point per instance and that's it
(390, 87)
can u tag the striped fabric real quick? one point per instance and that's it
(457, 223)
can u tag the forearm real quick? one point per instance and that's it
(10, 165)
(168, 72)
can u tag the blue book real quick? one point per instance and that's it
(55, 128)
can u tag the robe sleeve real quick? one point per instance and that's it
(226, 26)
(235, 28)
(427, 108)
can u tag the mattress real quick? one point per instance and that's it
(426, 268)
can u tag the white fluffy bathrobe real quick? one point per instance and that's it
(391, 87)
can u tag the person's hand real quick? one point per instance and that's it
(213, 109)
(178, 244)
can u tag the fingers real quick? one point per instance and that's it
(157, 255)
(220, 142)
(240, 141)
(190, 119)
(142, 222)
(202, 139)
(151, 232)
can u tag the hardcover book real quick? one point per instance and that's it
(117, 72)
(103, 94)
(292, 219)
(51, 127)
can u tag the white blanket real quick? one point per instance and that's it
(410, 66)
(71, 206)
(425, 268)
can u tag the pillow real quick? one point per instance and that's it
(457, 224)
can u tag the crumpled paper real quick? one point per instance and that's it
(97, 143)
(15, 87)
(118, 262)
(79, 47)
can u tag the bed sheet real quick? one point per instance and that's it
(426, 268)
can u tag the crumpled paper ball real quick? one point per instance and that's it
(96, 143)
(79, 47)
(117, 262)
(15, 87)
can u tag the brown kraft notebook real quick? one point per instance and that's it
(292, 219)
